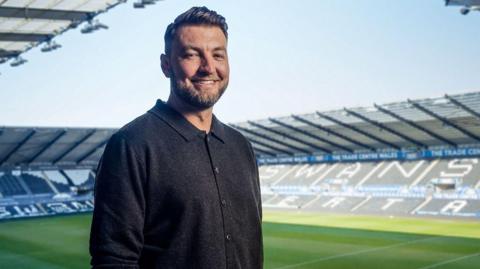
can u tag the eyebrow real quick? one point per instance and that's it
(187, 47)
(220, 48)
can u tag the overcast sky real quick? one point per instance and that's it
(286, 57)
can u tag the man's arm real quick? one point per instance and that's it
(116, 237)
(257, 177)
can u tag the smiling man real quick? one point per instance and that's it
(177, 188)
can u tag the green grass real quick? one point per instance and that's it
(339, 241)
(45, 243)
(292, 240)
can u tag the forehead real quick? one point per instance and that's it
(199, 36)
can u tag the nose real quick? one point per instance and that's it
(207, 65)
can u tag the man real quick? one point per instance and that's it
(176, 188)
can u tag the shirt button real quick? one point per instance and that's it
(229, 237)
(217, 170)
(224, 203)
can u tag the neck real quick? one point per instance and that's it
(201, 119)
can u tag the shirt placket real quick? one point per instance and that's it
(222, 199)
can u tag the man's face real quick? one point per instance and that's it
(198, 65)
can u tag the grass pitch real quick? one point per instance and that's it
(291, 240)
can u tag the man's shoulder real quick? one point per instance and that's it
(232, 132)
(235, 135)
(140, 130)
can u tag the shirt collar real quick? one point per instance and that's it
(217, 129)
(182, 126)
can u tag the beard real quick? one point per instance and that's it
(196, 98)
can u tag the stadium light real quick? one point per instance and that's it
(143, 3)
(18, 61)
(50, 45)
(93, 26)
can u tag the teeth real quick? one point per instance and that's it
(204, 82)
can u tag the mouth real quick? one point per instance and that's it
(204, 82)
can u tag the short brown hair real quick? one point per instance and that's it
(194, 16)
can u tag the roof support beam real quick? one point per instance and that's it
(348, 126)
(415, 125)
(462, 106)
(86, 155)
(384, 127)
(22, 37)
(262, 151)
(265, 145)
(332, 132)
(289, 137)
(47, 146)
(18, 146)
(69, 180)
(65, 153)
(288, 145)
(311, 135)
(443, 120)
(43, 14)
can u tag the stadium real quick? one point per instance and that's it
(391, 185)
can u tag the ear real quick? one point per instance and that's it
(165, 64)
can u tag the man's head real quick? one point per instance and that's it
(195, 58)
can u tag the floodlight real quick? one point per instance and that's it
(143, 3)
(50, 45)
(18, 61)
(93, 26)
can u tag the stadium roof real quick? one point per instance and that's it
(25, 24)
(451, 121)
(51, 147)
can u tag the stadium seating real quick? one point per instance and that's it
(441, 187)
(36, 183)
(80, 177)
(43, 193)
(408, 173)
(58, 180)
(9, 186)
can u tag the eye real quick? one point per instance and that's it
(219, 56)
(190, 55)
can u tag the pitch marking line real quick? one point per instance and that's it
(450, 261)
(356, 253)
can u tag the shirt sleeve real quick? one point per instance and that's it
(116, 237)
(257, 178)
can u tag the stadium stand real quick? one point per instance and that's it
(435, 188)
(36, 184)
(80, 177)
(58, 180)
(9, 185)
(413, 158)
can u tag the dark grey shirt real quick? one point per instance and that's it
(168, 195)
